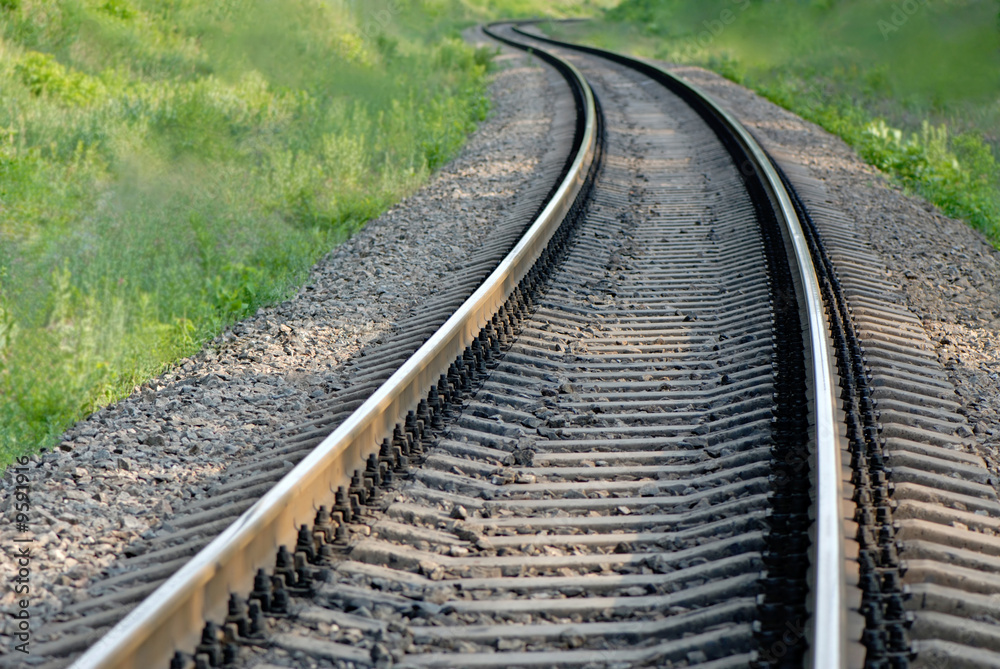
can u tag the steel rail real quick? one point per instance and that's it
(828, 600)
(172, 617)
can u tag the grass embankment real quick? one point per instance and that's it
(914, 86)
(167, 167)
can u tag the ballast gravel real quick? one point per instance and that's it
(947, 273)
(118, 476)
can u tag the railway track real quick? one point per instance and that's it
(653, 433)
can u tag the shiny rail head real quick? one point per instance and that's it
(828, 601)
(173, 616)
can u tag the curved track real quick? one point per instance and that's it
(628, 454)
(675, 327)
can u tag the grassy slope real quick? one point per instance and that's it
(918, 93)
(168, 166)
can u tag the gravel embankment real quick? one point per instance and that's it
(121, 474)
(947, 274)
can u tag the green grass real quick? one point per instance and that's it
(916, 93)
(169, 166)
